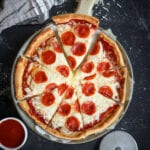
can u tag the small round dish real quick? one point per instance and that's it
(13, 133)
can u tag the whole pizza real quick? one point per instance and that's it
(67, 88)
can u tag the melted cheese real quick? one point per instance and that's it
(65, 27)
(60, 58)
(111, 82)
(59, 121)
(102, 104)
(46, 111)
(92, 58)
(53, 77)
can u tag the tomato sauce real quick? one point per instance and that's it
(11, 133)
(35, 113)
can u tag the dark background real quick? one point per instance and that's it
(130, 21)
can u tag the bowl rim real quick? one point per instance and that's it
(25, 131)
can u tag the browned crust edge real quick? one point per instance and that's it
(120, 62)
(18, 75)
(67, 17)
(37, 40)
(106, 123)
(25, 107)
(74, 136)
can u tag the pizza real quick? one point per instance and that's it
(68, 88)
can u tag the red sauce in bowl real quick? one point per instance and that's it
(11, 133)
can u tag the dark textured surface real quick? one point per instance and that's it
(131, 23)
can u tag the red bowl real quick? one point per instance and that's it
(13, 133)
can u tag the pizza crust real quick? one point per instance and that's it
(120, 61)
(18, 77)
(106, 123)
(74, 136)
(64, 18)
(35, 43)
(25, 107)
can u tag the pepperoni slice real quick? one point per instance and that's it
(68, 38)
(108, 73)
(88, 107)
(87, 67)
(50, 87)
(103, 66)
(48, 99)
(96, 49)
(62, 88)
(48, 57)
(64, 109)
(106, 91)
(88, 89)
(72, 123)
(40, 77)
(69, 92)
(90, 77)
(79, 49)
(82, 30)
(72, 62)
(63, 70)
(57, 47)
(77, 106)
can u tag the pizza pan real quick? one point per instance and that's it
(32, 125)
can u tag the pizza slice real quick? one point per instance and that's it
(97, 109)
(32, 79)
(76, 33)
(41, 108)
(67, 122)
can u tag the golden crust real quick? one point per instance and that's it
(67, 17)
(25, 107)
(35, 43)
(74, 136)
(106, 123)
(120, 61)
(18, 75)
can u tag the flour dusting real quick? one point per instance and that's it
(103, 8)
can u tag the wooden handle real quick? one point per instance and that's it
(85, 7)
